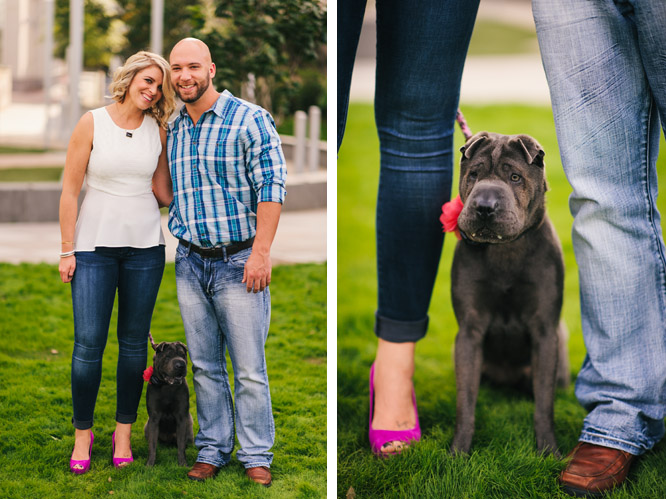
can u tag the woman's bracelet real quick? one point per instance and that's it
(66, 254)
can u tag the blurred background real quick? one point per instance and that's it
(57, 58)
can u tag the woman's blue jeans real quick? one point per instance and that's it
(219, 315)
(421, 49)
(136, 274)
(605, 65)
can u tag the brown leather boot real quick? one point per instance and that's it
(260, 474)
(594, 469)
(202, 471)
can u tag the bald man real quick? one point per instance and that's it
(228, 174)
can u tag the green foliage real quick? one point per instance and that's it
(281, 43)
(270, 39)
(504, 462)
(136, 15)
(97, 22)
(36, 340)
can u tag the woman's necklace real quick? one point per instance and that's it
(128, 133)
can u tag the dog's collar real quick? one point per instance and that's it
(149, 377)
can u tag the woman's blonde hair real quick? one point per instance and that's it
(124, 75)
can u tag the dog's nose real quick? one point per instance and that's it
(179, 365)
(486, 205)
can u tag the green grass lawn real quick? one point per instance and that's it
(497, 38)
(36, 338)
(21, 150)
(37, 174)
(503, 462)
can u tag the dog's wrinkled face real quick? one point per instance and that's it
(170, 362)
(502, 186)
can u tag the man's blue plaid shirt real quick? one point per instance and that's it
(221, 168)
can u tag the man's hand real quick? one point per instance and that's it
(257, 271)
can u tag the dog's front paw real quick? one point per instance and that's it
(460, 445)
(151, 462)
(549, 447)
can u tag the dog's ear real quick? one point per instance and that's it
(532, 150)
(160, 347)
(473, 143)
(182, 345)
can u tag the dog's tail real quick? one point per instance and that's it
(152, 341)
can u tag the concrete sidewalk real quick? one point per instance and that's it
(511, 79)
(301, 238)
(502, 79)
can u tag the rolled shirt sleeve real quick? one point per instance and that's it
(265, 159)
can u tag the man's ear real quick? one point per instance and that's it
(212, 70)
(473, 143)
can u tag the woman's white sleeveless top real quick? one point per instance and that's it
(119, 208)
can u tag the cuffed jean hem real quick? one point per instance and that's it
(256, 465)
(400, 331)
(125, 419)
(82, 425)
(219, 464)
(611, 442)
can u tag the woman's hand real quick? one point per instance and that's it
(66, 268)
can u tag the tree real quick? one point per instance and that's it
(97, 22)
(267, 42)
(135, 14)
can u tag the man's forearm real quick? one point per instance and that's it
(268, 216)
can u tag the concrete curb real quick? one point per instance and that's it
(40, 201)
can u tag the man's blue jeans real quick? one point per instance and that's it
(136, 274)
(421, 49)
(219, 315)
(605, 65)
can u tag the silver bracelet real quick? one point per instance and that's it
(66, 254)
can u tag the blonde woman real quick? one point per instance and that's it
(116, 244)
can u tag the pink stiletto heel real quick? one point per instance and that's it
(118, 462)
(85, 463)
(378, 438)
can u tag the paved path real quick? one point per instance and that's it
(301, 238)
(486, 79)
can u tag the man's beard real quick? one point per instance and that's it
(201, 90)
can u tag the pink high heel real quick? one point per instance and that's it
(82, 462)
(378, 438)
(118, 462)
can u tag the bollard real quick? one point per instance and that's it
(315, 128)
(300, 124)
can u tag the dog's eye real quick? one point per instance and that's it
(472, 175)
(515, 177)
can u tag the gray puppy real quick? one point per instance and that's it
(507, 282)
(168, 401)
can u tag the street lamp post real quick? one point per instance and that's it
(75, 57)
(156, 26)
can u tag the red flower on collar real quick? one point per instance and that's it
(449, 216)
(147, 374)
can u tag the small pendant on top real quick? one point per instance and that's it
(128, 134)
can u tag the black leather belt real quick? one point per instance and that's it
(219, 252)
